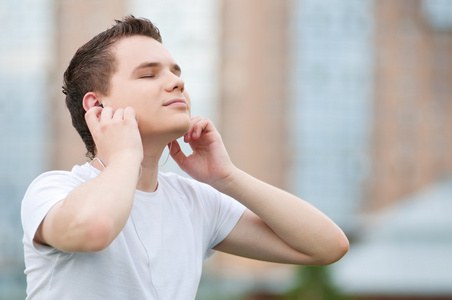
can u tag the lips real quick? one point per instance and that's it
(175, 102)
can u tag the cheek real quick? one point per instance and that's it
(117, 100)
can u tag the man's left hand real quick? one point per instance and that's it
(209, 162)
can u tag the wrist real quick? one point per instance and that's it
(227, 183)
(129, 157)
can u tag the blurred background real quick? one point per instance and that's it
(346, 103)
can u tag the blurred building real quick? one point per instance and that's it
(404, 244)
(344, 103)
(351, 100)
(413, 75)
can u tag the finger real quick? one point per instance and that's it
(92, 116)
(129, 113)
(176, 153)
(195, 118)
(199, 127)
(118, 114)
(189, 133)
(107, 113)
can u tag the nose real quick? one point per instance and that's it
(175, 83)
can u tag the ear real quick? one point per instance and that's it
(90, 100)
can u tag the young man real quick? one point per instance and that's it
(116, 228)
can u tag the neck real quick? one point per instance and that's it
(148, 181)
(152, 151)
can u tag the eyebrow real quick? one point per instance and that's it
(175, 68)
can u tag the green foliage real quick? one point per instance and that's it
(315, 284)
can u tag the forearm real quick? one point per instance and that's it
(295, 221)
(95, 212)
(280, 226)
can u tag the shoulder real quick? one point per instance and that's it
(49, 178)
(43, 193)
(59, 181)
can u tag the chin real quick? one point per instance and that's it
(183, 129)
(169, 129)
(180, 128)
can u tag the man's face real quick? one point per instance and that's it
(148, 79)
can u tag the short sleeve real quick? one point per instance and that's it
(42, 194)
(228, 213)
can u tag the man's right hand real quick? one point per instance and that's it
(115, 133)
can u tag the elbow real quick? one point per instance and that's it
(86, 235)
(341, 248)
(98, 235)
(335, 252)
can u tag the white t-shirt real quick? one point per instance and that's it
(158, 254)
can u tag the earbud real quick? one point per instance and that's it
(101, 106)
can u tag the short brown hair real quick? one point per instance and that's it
(93, 65)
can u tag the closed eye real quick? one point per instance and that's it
(147, 76)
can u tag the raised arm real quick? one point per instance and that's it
(277, 226)
(95, 212)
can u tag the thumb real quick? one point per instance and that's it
(92, 116)
(176, 153)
